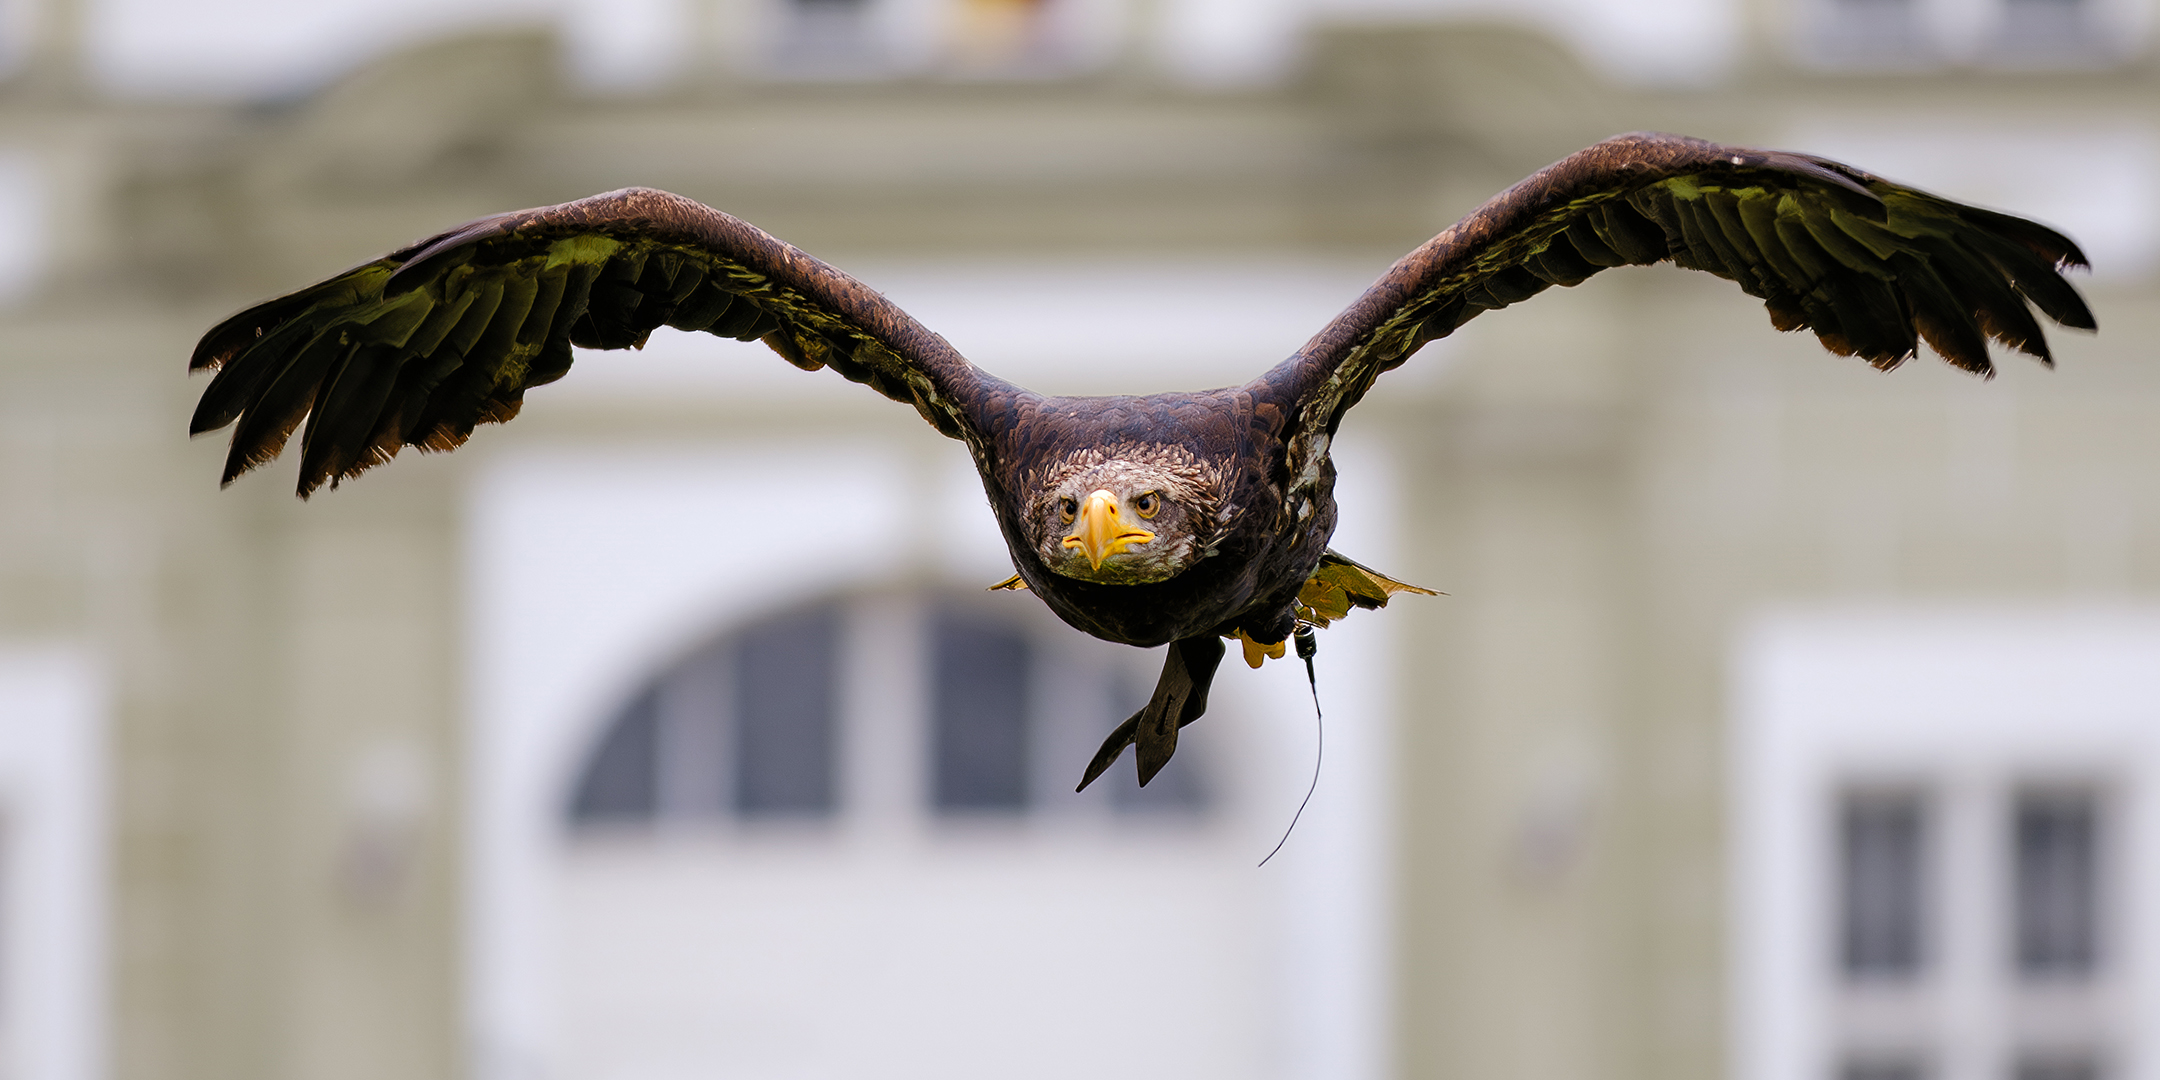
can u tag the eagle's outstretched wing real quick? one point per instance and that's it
(417, 347)
(1872, 267)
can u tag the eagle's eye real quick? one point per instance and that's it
(1146, 504)
(1068, 508)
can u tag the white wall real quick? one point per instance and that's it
(52, 865)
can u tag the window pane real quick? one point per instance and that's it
(784, 705)
(979, 715)
(1869, 31)
(2044, 23)
(2058, 1067)
(1882, 1069)
(2058, 887)
(695, 708)
(1882, 899)
(828, 37)
(619, 782)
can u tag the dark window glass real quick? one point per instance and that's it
(1870, 31)
(2048, 32)
(1875, 12)
(620, 781)
(2058, 884)
(2058, 1066)
(1882, 885)
(832, 38)
(2044, 15)
(1882, 1069)
(696, 710)
(979, 715)
(784, 708)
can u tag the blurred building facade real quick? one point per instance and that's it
(1784, 719)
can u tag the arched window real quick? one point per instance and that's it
(749, 726)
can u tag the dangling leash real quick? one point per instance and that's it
(1307, 645)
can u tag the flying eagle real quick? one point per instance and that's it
(1182, 518)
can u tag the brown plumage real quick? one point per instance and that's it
(1169, 519)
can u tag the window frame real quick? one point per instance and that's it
(1977, 707)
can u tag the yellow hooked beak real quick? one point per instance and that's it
(1100, 530)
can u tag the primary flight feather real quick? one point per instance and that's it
(1180, 518)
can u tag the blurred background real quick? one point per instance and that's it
(1785, 720)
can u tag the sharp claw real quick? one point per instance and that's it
(1112, 748)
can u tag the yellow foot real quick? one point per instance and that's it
(1012, 582)
(1256, 653)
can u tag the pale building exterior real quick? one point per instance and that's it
(1736, 631)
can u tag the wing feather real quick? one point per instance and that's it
(273, 413)
(1585, 235)
(1872, 267)
(420, 346)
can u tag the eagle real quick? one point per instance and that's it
(1180, 519)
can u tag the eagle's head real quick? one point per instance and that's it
(1127, 515)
